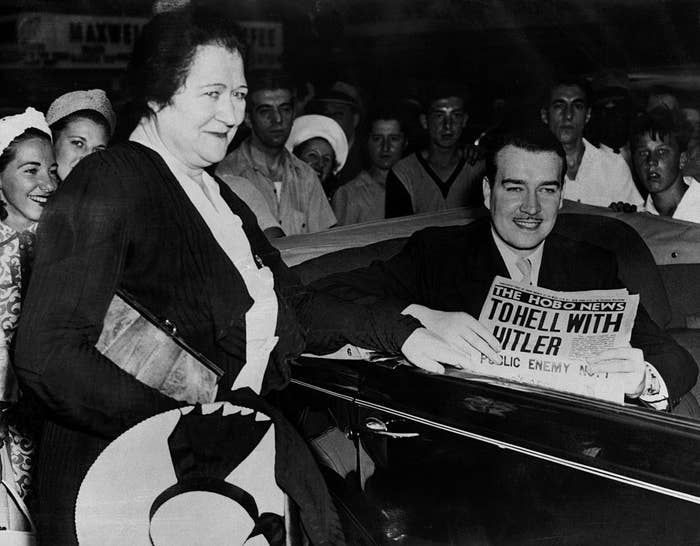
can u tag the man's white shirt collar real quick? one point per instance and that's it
(510, 258)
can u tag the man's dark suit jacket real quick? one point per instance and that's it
(452, 268)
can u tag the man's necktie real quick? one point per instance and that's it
(524, 265)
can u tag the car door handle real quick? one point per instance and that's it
(389, 428)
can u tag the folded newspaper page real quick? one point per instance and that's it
(547, 335)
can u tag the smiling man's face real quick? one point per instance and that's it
(525, 197)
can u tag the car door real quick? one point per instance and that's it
(455, 459)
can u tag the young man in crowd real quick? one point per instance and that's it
(439, 177)
(283, 191)
(593, 176)
(659, 151)
(443, 275)
(362, 199)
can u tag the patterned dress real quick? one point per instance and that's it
(16, 253)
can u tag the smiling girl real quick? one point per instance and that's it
(82, 122)
(27, 179)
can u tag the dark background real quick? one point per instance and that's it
(397, 47)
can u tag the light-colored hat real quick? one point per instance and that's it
(195, 475)
(13, 126)
(315, 126)
(92, 99)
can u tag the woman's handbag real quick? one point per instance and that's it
(17, 526)
(151, 350)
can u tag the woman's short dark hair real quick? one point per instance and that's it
(164, 50)
(59, 126)
(9, 153)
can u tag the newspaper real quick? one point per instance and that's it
(547, 335)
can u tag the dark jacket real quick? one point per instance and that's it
(121, 220)
(452, 268)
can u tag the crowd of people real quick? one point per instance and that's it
(373, 164)
(180, 214)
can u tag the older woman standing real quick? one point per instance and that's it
(146, 217)
(82, 122)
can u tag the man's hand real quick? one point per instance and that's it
(426, 350)
(474, 153)
(460, 330)
(623, 360)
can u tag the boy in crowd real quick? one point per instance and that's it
(659, 151)
(439, 177)
(363, 198)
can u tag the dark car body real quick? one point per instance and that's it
(459, 459)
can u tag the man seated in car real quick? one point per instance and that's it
(442, 275)
(659, 152)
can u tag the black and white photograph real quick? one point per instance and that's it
(349, 272)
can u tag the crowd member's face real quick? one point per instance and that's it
(611, 117)
(658, 162)
(445, 121)
(27, 182)
(386, 143)
(567, 113)
(343, 114)
(270, 116)
(692, 115)
(200, 120)
(525, 198)
(319, 155)
(662, 100)
(80, 137)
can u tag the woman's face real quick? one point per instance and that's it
(80, 137)
(320, 155)
(199, 122)
(27, 182)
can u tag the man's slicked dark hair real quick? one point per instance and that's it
(269, 80)
(660, 123)
(530, 136)
(569, 81)
(444, 89)
(386, 110)
(164, 50)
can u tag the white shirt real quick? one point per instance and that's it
(688, 208)
(227, 229)
(511, 258)
(602, 178)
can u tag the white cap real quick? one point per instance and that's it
(13, 126)
(315, 126)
